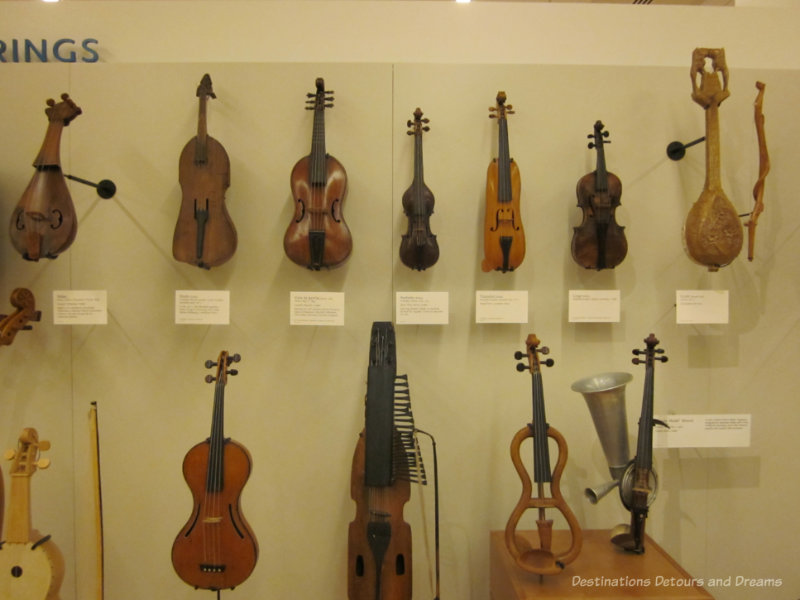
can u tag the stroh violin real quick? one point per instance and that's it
(503, 235)
(23, 300)
(418, 249)
(31, 565)
(43, 223)
(543, 560)
(318, 236)
(599, 242)
(216, 549)
(712, 231)
(205, 235)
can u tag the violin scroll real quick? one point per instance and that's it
(23, 300)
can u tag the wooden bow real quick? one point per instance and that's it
(763, 169)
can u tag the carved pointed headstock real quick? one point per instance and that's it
(651, 352)
(418, 125)
(23, 300)
(205, 89)
(532, 351)
(224, 361)
(26, 456)
(321, 99)
(63, 111)
(706, 87)
(501, 109)
(598, 136)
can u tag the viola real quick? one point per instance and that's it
(503, 235)
(25, 303)
(543, 560)
(638, 483)
(216, 549)
(712, 231)
(418, 249)
(43, 223)
(205, 235)
(599, 242)
(318, 236)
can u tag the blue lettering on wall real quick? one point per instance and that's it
(61, 50)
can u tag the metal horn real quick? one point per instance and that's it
(605, 397)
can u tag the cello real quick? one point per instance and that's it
(542, 560)
(205, 235)
(418, 249)
(216, 549)
(44, 223)
(503, 235)
(317, 235)
(599, 242)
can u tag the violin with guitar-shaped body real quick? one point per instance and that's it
(503, 235)
(44, 223)
(216, 549)
(543, 560)
(205, 235)
(318, 236)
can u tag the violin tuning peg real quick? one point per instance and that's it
(638, 352)
(409, 123)
(605, 134)
(210, 378)
(44, 445)
(426, 120)
(9, 454)
(233, 372)
(426, 129)
(519, 355)
(637, 361)
(590, 136)
(662, 358)
(234, 358)
(522, 367)
(544, 350)
(43, 463)
(210, 363)
(409, 133)
(591, 145)
(549, 362)
(310, 95)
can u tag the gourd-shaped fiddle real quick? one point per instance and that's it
(419, 249)
(712, 231)
(503, 235)
(43, 223)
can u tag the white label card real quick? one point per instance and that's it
(316, 308)
(594, 306)
(80, 307)
(703, 431)
(501, 306)
(202, 307)
(422, 308)
(701, 306)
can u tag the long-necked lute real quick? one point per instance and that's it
(318, 236)
(384, 462)
(637, 485)
(544, 560)
(503, 235)
(205, 235)
(418, 248)
(599, 242)
(43, 223)
(216, 549)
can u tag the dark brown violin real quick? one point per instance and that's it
(216, 549)
(419, 249)
(599, 242)
(204, 234)
(44, 223)
(542, 560)
(318, 235)
(503, 235)
(25, 303)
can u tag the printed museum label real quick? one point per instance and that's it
(80, 307)
(701, 306)
(202, 307)
(594, 306)
(501, 306)
(316, 308)
(703, 431)
(422, 308)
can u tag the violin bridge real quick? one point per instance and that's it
(212, 520)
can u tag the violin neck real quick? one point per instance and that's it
(418, 173)
(18, 530)
(541, 450)
(215, 472)
(713, 180)
(201, 147)
(644, 445)
(503, 164)
(601, 176)
(49, 154)
(318, 173)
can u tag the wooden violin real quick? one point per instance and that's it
(216, 549)
(23, 300)
(712, 231)
(638, 484)
(318, 236)
(542, 560)
(31, 565)
(43, 223)
(503, 235)
(384, 463)
(599, 242)
(205, 235)
(418, 249)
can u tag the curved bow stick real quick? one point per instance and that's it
(23, 299)
(763, 169)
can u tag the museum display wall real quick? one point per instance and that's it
(297, 403)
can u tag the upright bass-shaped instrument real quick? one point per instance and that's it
(204, 234)
(23, 300)
(543, 560)
(638, 484)
(385, 461)
(503, 235)
(419, 249)
(31, 565)
(43, 223)
(318, 235)
(216, 549)
(712, 231)
(599, 242)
